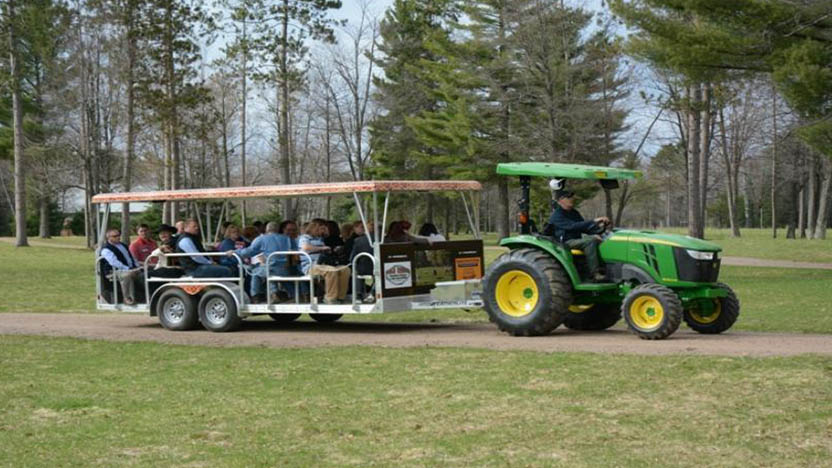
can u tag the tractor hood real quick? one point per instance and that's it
(674, 240)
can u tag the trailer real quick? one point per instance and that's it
(406, 276)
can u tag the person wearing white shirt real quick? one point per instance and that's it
(122, 266)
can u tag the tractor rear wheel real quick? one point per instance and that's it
(595, 317)
(652, 311)
(714, 316)
(526, 292)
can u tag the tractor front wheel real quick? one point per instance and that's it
(712, 316)
(652, 311)
(526, 293)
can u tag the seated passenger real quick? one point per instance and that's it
(336, 279)
(259, 251)
(249, 234)
(399, 232)
(198, 266)
(430, 232)
(232, 241)
(165, 266)
(121, 266)
(143, 245)
(363, 266)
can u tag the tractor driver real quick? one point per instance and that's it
(571, 229)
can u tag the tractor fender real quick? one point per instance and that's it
(634, 273)
(563, 256)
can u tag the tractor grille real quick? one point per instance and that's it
(696, 271)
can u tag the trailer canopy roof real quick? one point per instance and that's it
(296, 190)
(566, 171)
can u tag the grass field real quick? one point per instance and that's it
(41, 279)
(87, 403)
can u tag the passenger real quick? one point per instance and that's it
(399, 232)
(289, 228)
(165, 267)
(232, 241)
(143, 245)
(261, 228)
(333, 239)
(121, 266)
(430, 232)
(363, 266)
(180, 228)
(349, 232)
(336, 279)
(198, 266)
(249, 234)
(259, 251)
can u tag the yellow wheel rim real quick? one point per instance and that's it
(577, 308)
(710, 318)
(516, 293)
(646, 312)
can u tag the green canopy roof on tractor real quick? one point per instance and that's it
(566, 171)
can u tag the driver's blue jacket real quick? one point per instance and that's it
(570, 224)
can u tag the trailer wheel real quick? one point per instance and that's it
(326, 318)
(176, 310)
(594, 317)
(720, 316)
(218, 311)
(526, 292)
(284, 318)
(652, 311)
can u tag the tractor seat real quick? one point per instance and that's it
(577, 252)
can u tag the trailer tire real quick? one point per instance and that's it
(176, 310)
(218, 311)
(326, 318)
(284, 318)
(526, 292)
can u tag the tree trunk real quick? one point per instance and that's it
(704, 153)
(823, 205)
(608, 205)
(730, 169)
(503, 225)
(43, 228)
(244, 98)
(801, 214)
(21, 239)
(283, 136)
(131, 131)
(774, 162)
(811, 203)
(695, 228)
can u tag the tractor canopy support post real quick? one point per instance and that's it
(523, 215)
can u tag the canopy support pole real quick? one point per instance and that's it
(102, 227)
(199, 220)
(384, 217)
(361, 214)
(474, 229)
(475, 204)
(219, 222)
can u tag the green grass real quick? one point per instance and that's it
(40, 279)
(85, 403)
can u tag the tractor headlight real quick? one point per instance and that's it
(700, 255)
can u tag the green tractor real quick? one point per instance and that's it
(654, 280)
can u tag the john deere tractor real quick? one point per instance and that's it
(654, 280)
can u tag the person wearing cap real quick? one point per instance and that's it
(572, 230)
(164, 266)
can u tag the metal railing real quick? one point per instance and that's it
(240, 278)
(356, 276)
(296, 279)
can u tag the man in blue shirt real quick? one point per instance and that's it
(260, 250)
(198, 266)
(571, 229)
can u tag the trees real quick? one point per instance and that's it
(17, 123)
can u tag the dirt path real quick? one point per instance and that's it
(265, 333)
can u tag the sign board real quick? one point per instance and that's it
(410, 269)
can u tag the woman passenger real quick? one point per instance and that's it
(336, 279)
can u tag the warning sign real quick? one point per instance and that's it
(468, 268)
